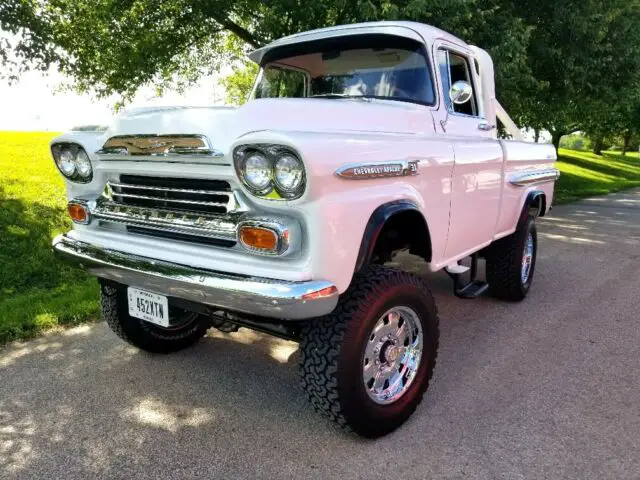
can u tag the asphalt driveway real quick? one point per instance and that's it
(548, 388)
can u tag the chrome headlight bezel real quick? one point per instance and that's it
(273, 153)
(74, 150)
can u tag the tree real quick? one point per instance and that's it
(25, 18)
(239, 83)
(115, 47)
(581, 54)
(557, 61)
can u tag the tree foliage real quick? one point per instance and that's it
(239, 83)
(559, 63)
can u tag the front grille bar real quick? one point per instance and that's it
(170, 200)
(229, 205)
(165, 189)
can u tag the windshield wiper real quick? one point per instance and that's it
(330, 95)
(343, 95)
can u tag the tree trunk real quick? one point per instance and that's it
(537, 135)
(598, 144)
(627, 141)
(555, 138)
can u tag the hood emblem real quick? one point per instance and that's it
(362, 171)
(159, 146)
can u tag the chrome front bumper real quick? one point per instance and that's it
(256, 296)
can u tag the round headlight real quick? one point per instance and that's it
(66, 162)
(257, 171)
(83, 164)
(72, 161)
(289, 173)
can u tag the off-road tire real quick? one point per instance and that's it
(504, 263)
(145, 335)
(332, 349)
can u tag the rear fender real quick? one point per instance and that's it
(535, 205)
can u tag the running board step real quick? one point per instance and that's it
(472, 289)
(457, 269)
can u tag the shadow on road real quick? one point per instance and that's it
(544, 388)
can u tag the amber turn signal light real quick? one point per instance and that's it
(258, 238)
(78, 212)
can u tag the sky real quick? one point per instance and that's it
(35, 104)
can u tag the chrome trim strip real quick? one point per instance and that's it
(159, 145)
(252, 295)
(220, 227)
(536, 177)
(362, 171)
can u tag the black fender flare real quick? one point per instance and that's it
(535, 205)
(376, 223)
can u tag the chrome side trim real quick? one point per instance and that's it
(361, 171)
(176, 145)
(252, 295)
(536, 177)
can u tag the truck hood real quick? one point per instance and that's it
(224, 125)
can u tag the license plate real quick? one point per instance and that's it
(148, 306)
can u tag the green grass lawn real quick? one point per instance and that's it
(36, 291)
(585, 174)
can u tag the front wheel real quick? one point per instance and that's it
(368, 363)
(511, 262)
(185, 329)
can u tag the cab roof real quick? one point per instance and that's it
(419, 32)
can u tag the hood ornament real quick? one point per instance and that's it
(159, 146)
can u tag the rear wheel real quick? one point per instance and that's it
(185, 329)
(511, 262)
(367, 364)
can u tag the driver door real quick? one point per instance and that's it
(477, 173)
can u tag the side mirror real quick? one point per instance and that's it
(460, 92)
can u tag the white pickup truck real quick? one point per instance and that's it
(358, 142)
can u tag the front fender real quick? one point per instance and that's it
(335, 211)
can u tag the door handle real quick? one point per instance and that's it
(485, 126)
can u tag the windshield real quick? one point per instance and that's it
(383, 67)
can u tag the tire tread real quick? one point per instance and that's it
(504, 263)
(322, 338)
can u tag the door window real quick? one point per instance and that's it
(453, 68)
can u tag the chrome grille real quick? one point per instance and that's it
(209, 196)
(181, 208)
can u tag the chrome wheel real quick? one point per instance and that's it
(527, 259)
(392, 355)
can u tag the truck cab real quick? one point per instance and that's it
(358, 142)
